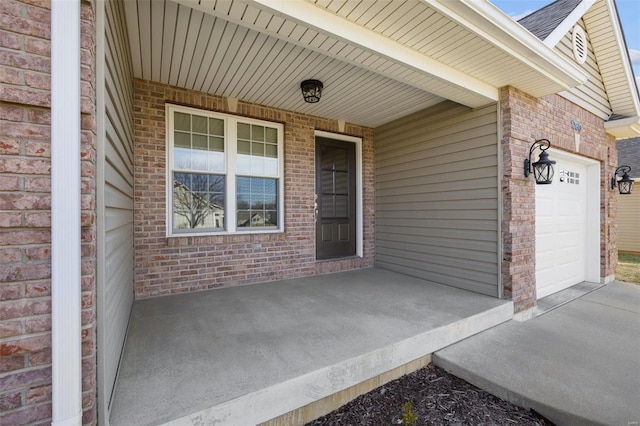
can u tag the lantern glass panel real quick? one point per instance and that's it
(625, 186)
(543, 173)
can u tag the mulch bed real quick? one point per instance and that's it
(437, 398)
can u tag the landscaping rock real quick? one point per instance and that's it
(429, 396)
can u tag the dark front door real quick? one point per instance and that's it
(335, 198)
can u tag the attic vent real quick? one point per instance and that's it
(579, 44)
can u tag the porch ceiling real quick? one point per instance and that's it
(379, 60)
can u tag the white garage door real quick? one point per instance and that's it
(561, 228)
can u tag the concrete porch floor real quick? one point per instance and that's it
(245, 355)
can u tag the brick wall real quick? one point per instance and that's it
(188, 263)
(526, 119)
(25, 215)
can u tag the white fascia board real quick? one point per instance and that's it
(624, 55)
(327, 23)
(623, 128)
(568, 23)
(493, 25)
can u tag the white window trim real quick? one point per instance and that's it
(359, 206)
(230, 149)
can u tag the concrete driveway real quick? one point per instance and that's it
(577, 364)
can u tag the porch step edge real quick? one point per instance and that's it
(326, 405)
(279, 399)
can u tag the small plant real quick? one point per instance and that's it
(409, 416)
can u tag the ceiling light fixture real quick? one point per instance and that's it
(311, 90)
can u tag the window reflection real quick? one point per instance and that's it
(257, 204)
(198, 201)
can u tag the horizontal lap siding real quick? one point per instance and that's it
(592, 94)
(437, 196)
(118, 189)
(629, 221)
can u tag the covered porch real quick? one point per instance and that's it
(246, 355)
(249, 354)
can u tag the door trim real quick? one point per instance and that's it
(359, 205)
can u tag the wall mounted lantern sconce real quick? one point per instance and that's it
(311, 90)
(625, 184)
(543, 168)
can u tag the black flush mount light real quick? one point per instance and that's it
(543, 168)
(625, 184)
(311, 90)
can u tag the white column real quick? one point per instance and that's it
(65, 213)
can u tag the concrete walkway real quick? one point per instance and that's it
(578, 364)
(244, 355)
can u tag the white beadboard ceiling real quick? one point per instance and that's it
(243, 49)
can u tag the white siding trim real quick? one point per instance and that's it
(493, 25)
(623, 128)
(568, 23)
(65, 214)
(359, 205)
(605, 34)
(624, 55)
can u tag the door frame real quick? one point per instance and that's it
(359, 205)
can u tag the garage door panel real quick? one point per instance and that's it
(568, 240)
(561, 226)
(545, 248)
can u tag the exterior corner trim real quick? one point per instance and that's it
(66, 320)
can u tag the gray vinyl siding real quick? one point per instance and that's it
(118, 190)
(592, 94)
(437, 196)
(629, 220)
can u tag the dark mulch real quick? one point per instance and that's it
(437, 398)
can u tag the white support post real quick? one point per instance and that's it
(65, 214)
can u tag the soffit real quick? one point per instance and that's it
(419, 26)
(184, 47)
(246, 50)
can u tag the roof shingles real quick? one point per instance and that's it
(542, 22)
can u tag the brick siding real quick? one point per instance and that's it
(25, 212)
(169, 265)
(526, 119)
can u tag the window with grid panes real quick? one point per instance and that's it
(224, 173)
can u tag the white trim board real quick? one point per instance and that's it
(568, 23)
(66, 323)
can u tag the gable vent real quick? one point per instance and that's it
(579, 44)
